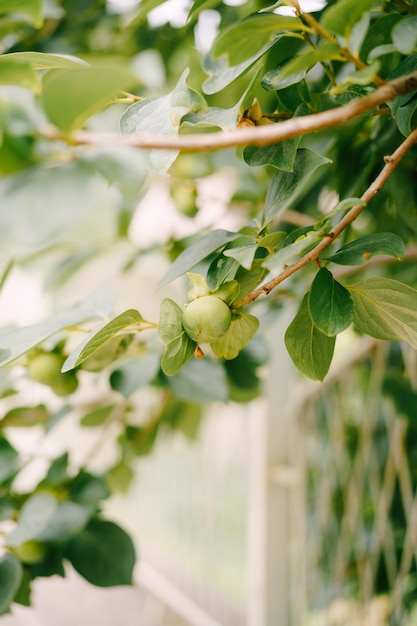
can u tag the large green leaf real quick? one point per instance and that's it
(239, 42)
(241, 331)
(16, 342)
(243, 250)
(129, 321)
(11, 573)
(203, 380)
(135, 373)
(18, 74)
(286, 187)
(103, 554)
(331, 307)
(162, 116)
(221, 74)
(68, 519)
(31, 8)
(71, 96)
(341, 17)
(34, 519)
(42, 60)
(386, 309)
(281, 155)
(310, 350)
(196, 252)
(361, 250)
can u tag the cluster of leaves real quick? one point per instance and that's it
(264, 67)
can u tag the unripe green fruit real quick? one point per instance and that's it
(30, 552)
(206, 319)
(45, 367)
(66, 384)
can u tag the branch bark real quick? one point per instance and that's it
(391, 163)
(256, 135)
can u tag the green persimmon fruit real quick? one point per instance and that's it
(45, 367)
(66, 384)
(206, 319)
(30, 551)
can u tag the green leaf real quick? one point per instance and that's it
(290, 251)
(341, 17)
(16, 342)
(201, 5)
(330, 304)
(68, 520)
(228, 291)
(386, 309)
(221, 74)
(88, 490)
(25, 416)
(296, 69)
(280, 155)
(98, 416)
(41, 60)
(31, 8)
(345, 205)
(170, 321)
(203, 380)
(361, 250)
(286, 187)
(243, 250)
(405, 117)
(257, 31)
(310, 350)
(162, 116)
(103, 554)
(71, 96)
(134, 374)
(404, 34)
(11, 573)
(35, 517)
(18, 74)
(196, 252)
(177, 353)
(9, 460)
(241, 331)
(130, 321)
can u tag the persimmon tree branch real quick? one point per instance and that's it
(391, 163)
(254, 135)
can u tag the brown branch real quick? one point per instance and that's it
(256, 135)
(391, 163)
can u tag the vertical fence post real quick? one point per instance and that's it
(277, 509)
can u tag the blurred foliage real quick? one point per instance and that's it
(69, 204)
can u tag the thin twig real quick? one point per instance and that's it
(391, 163)
(254, 135)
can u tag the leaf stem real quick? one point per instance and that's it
(254, 135)
(391, 163)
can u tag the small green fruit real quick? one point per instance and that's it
(66, 384)
(206, 319)
(30, 552)
(45, 367)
